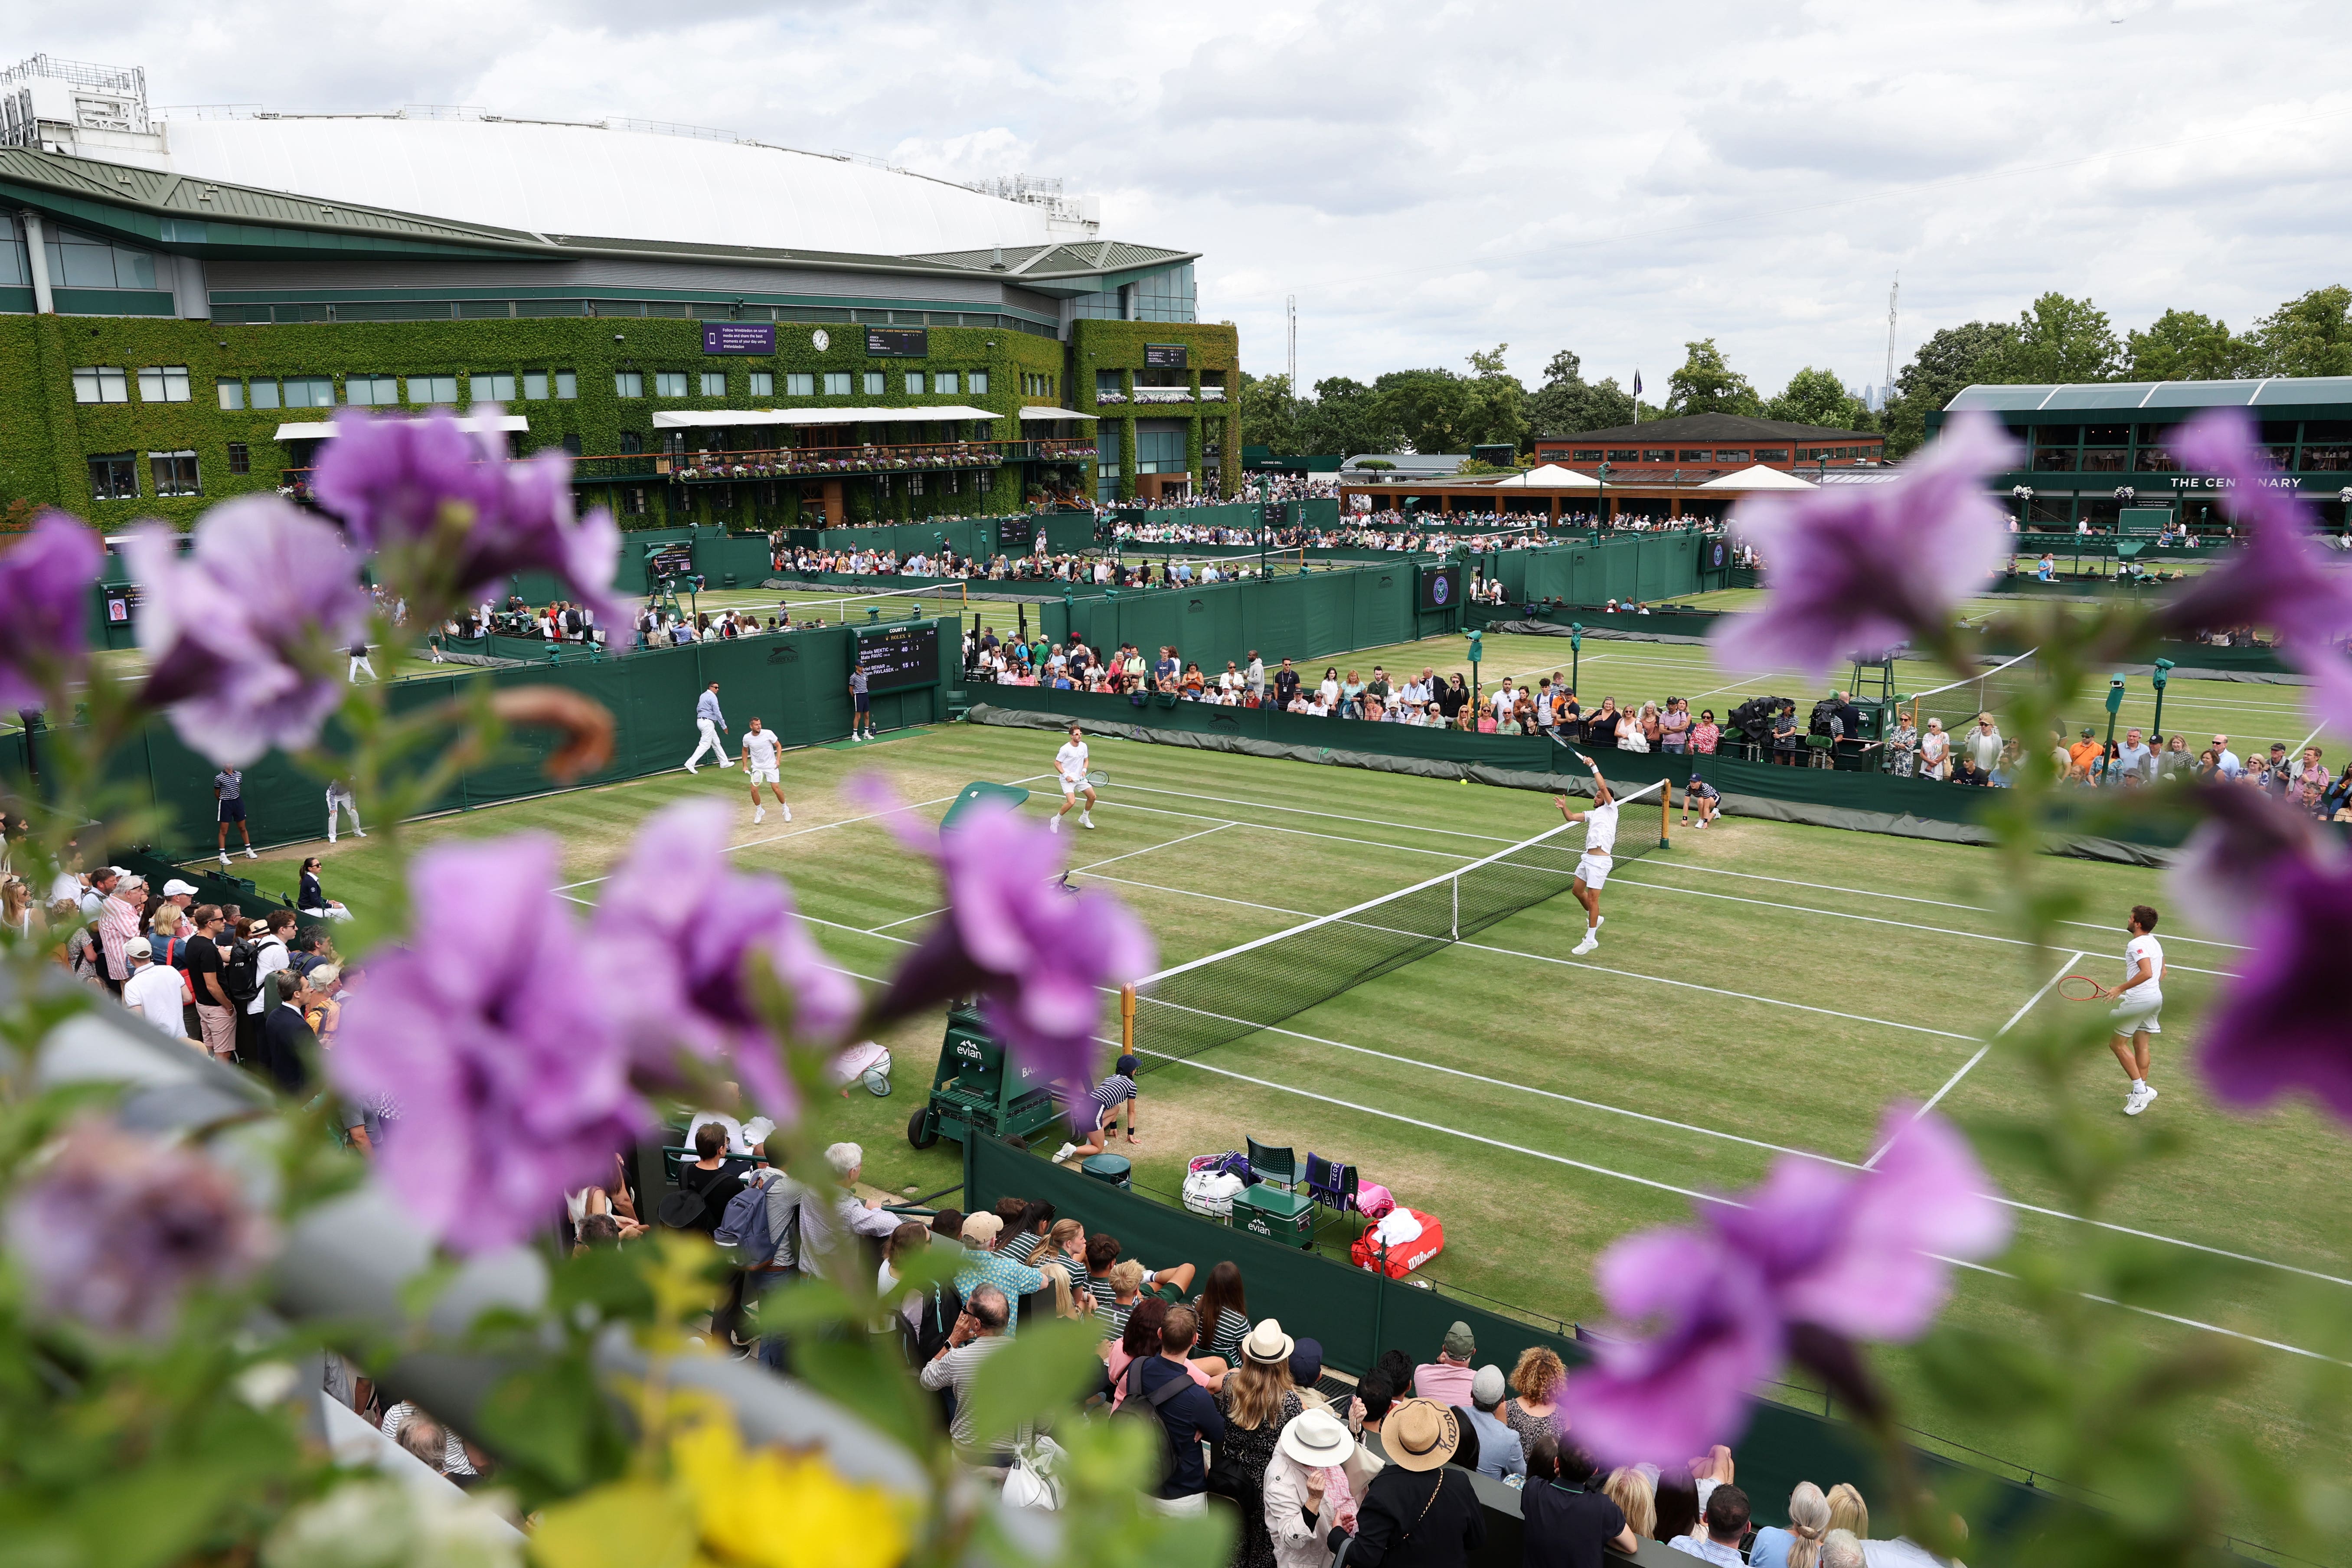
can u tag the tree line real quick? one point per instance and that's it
(2056, 339)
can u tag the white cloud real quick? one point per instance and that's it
(1429, 180)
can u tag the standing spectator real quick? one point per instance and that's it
(1706, 734)
(1419, 1508)
(1257, 1402)
(17, 910)
(1726, 1520)
(1785, 739)
(827, 1218)
(1286, 684)
(1447, 1379)
(705, 1184)
(1303, 1505)
(978, 1334)
(1674, 727)
(1983, 742)
(215, 1014)
(229, 806)
(1499, 1451)
(153, 990)
(120, 920)
(265, 942)
(1165, 1382)
(1570, 1515)
(1903, 746)
(1255, 678)
(287, 1045)
(2134, 762)
(1935, 752)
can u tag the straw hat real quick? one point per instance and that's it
(1316, 1440)
(1419, 1434)
(1267, 1342)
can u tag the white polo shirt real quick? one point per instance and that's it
(154, 992)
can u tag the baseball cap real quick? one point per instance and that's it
(981, 1227)
(137, 947)
(1460, 1343)
(175, 888)
(1488, 1387)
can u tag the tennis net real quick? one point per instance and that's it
(1218, 999)
(1987, 691)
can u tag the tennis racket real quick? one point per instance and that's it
(2081, 988)
(1096, 778)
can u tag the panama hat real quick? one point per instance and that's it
(1268, 1343)
(1316, 1440)
(1420, 1434)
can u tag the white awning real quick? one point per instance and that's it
(1758, 477)
(320, 429)
(1055, 414)
(722, 418)
(1549, 477)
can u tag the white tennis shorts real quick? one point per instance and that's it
(766, 775)
(2138, 1010)
(1592, 870)
(1070, 788)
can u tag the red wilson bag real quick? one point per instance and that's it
(1403, 1258)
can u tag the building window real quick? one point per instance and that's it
(306, 391)
(763, 384)
(174, 473)
(1160, 452)
(800, 383)
(432, 389)
(1726, 455)
(1771, 454)
(1165, 296)
(714, 384)
(837, 383)
(492, 387)
(669, 384)
(1585, 455)
(114, 476)
(628, 383)
(1107, 382)
(977, 383)
(232, 395)
(1687, 456)
(85, 261)
(567, 386)
(101, 384)
(914, 384)
(534, 386)
(240, 457)
(372, 391)
(944, 382)
(1651, 456)
(632, 442)
(1106, 481)
(913, 484)
(633, 501)
(262, 395)
(571, 444)
(876, 384)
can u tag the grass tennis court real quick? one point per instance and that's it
(1759, 987)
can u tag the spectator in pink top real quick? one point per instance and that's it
(1705, 732)
(1447, 1379)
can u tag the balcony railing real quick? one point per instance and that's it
(788, 462)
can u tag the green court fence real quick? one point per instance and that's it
(796, 683)
(1650, 567)
(1323, 511)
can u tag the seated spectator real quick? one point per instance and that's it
(1419, 1497)
(1446, 1381)
(1257, 1402)
(1103, 1250)
(1569, 1515)
(1842, 1549)
(1223, 1312)
(1126, 1289)
(1677, 1506)
(1726, 1520)
(1536, 1382)
(1025, 1227)
(1966, 772)
(981, 1331)
(1798, 1546)
(1499, 1451)
(1631, 1488)
(1848, 1511)
(1170, 1383)
(453, 1460)
(986, 1266)
(1066, 1242)
(1309, 1490)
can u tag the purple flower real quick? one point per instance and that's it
(241, 634)
(1038, 956)
(2227, 867)
(114, 1233)
(2280, 1026)
(2280, 577)
(497, 1031)
(445, 506)
(1857, 1255)
(1858, 569)
(45, 580)
(684, 927)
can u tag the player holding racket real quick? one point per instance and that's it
(1070, 766)
(2140, 999)
(1592, 865)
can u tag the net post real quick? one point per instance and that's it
(1666, 808)
(1127, 1020)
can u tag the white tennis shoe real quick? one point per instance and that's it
(2140, 1100)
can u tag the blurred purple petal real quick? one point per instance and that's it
(113, 1232)
(45, 590)
(1854, 571)
(1664, 1395)
(2227, 867)
(686, 926)
(498, 1034)
(2281, 1027)
(243, 634)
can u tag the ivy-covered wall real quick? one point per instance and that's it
(1101, 346)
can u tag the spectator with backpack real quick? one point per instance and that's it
(704, 1185)
(251, 965)
(1164, 1386)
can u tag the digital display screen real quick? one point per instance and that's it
(1440, 587)
(121, 603)
(1015, 534)
(1166, 356)
(897, 658)
(897, 343)
(669, 561)
(1714, 555)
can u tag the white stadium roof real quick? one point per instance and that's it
(588, 181)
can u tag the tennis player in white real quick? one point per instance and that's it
(1070, 764)
(763, 757)
(1592, 865)
(2140, 999)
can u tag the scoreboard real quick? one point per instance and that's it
(897, 659)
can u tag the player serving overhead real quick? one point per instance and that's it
(2140, 998)
(1070, 764)
(1592, 865)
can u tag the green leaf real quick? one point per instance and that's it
(805, 1306)
(550, 1419)
(863, 1373)
(605, 1279)
(632, 1524)
(156, 1514)
(1050, 1364)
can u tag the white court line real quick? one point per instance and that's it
(1302, 811)
(1299, 832)
(1933, 1100)
(1688, 1193)
(1075, 871)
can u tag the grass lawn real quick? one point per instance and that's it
(1761, 988)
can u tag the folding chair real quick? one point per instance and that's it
(1277, 1167)
(1332, 1184)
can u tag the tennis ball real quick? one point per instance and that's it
(1465, 780)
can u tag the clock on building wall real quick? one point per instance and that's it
(821, 340)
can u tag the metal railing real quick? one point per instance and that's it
(787, 462)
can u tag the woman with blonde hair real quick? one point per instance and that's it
(1066, 1239)
(1065, 1302)
(1800, 1545)
(1630, 1488)
(1848, 1511)
(1258, 1401)
(17, 909)
(1536, 1382)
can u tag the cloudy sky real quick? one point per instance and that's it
(1429, 179)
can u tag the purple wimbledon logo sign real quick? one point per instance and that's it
(738, 337)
